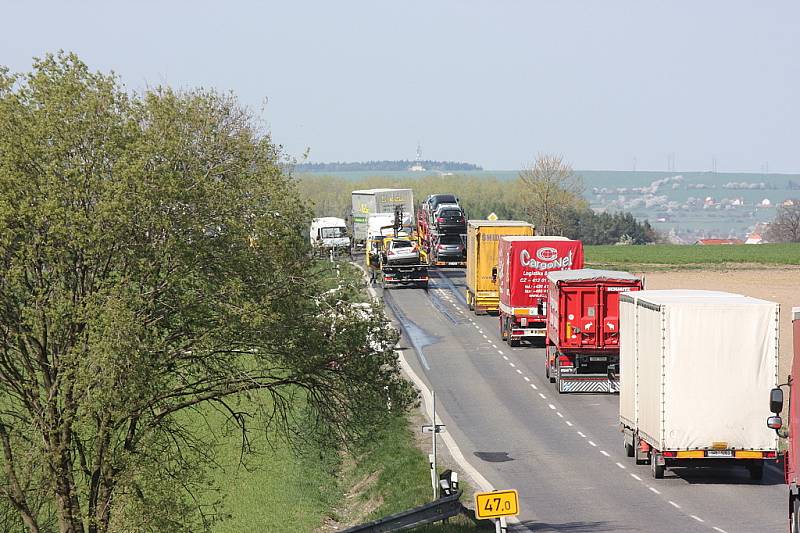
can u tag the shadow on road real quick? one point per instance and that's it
(727, 475)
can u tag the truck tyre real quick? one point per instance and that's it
(756, 471)
(502, 329)
(658, 470)
(470, 305)
(630, 451)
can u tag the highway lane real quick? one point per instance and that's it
(562, 452)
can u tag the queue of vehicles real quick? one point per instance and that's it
(689, 375)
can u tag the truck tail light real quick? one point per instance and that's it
(564, 360)
(390, 252)
(770, 455)
(440, 219)
(668, 454)
(517, 332)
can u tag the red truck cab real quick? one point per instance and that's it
(522, 266)
(792, 431)
(582, 346)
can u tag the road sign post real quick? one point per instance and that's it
(433, 429)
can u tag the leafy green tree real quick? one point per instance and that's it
(152, 265)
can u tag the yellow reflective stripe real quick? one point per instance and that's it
(749, 454)
(691, 454)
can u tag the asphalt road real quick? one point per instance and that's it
(563, 453)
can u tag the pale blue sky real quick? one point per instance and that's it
(490, 82)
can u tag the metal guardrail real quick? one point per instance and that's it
(434, 511)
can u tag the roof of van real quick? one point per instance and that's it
(332, 221)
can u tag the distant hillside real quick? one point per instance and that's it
(397, 165)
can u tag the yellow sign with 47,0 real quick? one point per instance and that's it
(496, 504)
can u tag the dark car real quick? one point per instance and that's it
(434, 200)
(450, 219)
(450, 248)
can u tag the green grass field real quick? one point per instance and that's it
(281, 489)
(689, 256)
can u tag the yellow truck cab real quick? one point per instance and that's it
(483, 239)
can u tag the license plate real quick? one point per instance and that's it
(538, 332)
(719, 453)
(598, 359)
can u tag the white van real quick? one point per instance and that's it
(329, 233)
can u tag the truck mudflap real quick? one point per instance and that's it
(587, 383)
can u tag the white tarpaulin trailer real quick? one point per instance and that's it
(695, 368)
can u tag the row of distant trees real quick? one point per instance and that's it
(386, 165)
(548, 194)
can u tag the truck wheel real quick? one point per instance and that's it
(630, 451)
(470, 304)
(502, 329)
(658, 470)
(756, 471)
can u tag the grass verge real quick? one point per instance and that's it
(673, 256)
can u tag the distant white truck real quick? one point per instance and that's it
(368, 202)
(695, 367)
(329, 234)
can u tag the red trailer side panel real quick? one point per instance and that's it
(523, 264)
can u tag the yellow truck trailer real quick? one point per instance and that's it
(483, 238)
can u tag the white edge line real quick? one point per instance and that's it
(455, 451)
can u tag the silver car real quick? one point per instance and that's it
(401, 252)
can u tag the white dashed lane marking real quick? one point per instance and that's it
(505, 357)
(697, 518)
(526, 378)
(605, 453)
(567, 422)
(581, 434)
(653, 489)
(519, 371)
(593, 444)
(675, 505)
(622, 466)
(542, 395)
(637, 478)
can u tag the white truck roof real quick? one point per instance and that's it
(373, 191)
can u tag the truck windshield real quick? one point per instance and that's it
(333, 233)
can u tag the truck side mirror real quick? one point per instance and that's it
(776, 401)
(774, 422)
(494, 274)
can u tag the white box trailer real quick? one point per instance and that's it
(367, 202)
(695, 367)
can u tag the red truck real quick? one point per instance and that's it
(582, 345)
(790, 462)
(522, 266)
